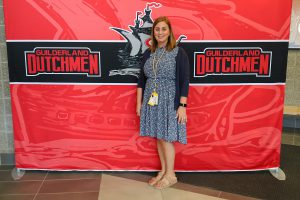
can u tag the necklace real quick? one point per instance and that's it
(153, 100)
(155, 62)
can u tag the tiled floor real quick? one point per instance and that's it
(43, 185)
(39, 185)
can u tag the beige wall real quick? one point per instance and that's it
(292, 92)
(6, 133)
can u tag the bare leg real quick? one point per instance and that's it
(169, 155)
(169, 178)
(154, 180)
(161, 155)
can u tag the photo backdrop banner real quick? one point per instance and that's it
(73, 68)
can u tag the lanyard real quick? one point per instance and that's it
(154, 66)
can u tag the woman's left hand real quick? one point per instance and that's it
(181, 115)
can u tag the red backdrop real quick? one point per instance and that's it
(93, 126)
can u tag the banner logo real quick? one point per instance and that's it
(138, 41)
(232, 61)
(64, 60)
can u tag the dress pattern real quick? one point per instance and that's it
(160, 121)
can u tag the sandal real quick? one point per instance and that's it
(155, 179)
(165, 182)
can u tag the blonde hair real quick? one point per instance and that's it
(171, 44)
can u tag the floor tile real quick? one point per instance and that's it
(145, 176)
(225, 181)
(137, 176)
(73, 175)
(17, 197)
(197, 189)
(175, 194)
(19, 187)
(81, 185)
(116, 188)
(231, 196)
(69, 196)
(5, 175)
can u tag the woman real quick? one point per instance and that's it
(162, 98)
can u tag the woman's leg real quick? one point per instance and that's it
(169, 156)
(161, 155)
(154, 180)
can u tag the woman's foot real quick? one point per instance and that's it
(155, 179)
(166, 181)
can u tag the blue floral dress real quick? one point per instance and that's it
(160, 121)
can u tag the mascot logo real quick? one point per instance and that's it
(138, 41)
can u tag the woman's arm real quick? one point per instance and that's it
(184, 74)
(181, 111)
(184, 87)
(141, 83)
(139, 101)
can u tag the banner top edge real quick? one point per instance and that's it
(124, 84)
(183, 41)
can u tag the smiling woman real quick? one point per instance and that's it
(162, 34)
(162, 98)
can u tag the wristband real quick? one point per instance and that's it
(183, 105)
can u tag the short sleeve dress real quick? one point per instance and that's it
(160, 121)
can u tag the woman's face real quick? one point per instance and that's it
(161, 33)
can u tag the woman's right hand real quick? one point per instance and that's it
(139, 101)
(138, 109)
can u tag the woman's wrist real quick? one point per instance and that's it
(183, 105)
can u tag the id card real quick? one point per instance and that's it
(153, 100)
